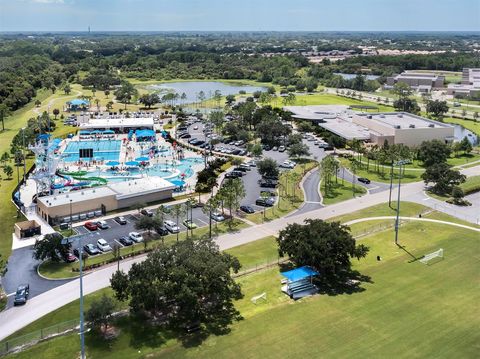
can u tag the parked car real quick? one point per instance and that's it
(217, 217)
(275, 148)
(21, 295)
(76, 253)
(265, 202)
(247, 209)
(189, 224)
(364, 180)
(103, 245)
(91, 249)
(268, 184)
(103, 225)
(91, 226)
(281, 149)
(171, 226)
(185, 135)
(234, 174)
(120, 220)
(126, 241)
(147, 212)
(136, 237)
(69, 258)
(163, 231)
(241, 169)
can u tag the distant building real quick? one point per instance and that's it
(422, 82)
(470, 86)
(393, 127)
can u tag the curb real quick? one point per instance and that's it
(53, 279)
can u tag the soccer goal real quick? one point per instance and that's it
(428, 257)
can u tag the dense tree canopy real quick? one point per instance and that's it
(327, 247)
(186, 282)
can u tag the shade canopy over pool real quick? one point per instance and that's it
(112, 163)
(178, 183)
(132, 163)
(78, 102)
(144, 134)
(142, 159)
(299, 273)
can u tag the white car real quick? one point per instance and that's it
(103, 245)
(195, 127)
(103, 225)
(136, 237)
(171, 226)
(218, 217)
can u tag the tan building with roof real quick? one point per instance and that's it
(91, 202)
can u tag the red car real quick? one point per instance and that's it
(91, 226)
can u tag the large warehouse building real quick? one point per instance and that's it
(90, 202)
(393, 127)
(470, 86)
(423, 82)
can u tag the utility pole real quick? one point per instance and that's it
(391, 186)
(23, 154)
(397, 219)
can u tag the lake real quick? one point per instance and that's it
(192, 89)
(461, 132)
(352, 76)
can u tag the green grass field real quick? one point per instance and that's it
(338, 192)
(473, 126)
(408, 309)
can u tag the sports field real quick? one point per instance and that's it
(408, 309)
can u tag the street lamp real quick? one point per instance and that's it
(71, 229)
(397, 219)
(23, 154)
(80, 259)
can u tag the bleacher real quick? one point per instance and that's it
(301, 288)
(299, 282)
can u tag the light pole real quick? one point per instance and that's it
(391, 186)
(80, 259)
(397, 219)
(71, 229)
(23, 154)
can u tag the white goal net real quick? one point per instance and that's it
(428, 257)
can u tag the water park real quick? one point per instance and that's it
(102, 157)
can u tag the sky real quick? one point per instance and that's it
(240, 15)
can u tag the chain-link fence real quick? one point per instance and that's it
(13, 344)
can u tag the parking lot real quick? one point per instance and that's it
(116, 230)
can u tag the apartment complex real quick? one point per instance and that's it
(422, 82)
(470, 86)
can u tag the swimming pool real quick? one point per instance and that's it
(103, 150)
(182, 170)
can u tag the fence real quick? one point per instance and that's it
(14, 344)
(261, 266)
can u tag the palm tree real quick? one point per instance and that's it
(178, 210)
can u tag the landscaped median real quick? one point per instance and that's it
(340, 191)
(290, 195)
(62, 270)
(471, 185)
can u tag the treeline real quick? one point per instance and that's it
(388, 65)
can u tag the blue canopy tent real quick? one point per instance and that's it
(299, 282)
(145, 135)
(84, 132)
(109, 132)
(142, 159)
(112, 163)
(77, 103)
(132, 163)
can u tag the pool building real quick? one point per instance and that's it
(90, 202)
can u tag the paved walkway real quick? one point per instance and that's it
(413, 219)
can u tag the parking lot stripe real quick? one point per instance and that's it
(119, 243)
(198, 219)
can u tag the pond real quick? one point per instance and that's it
(461, 132)
(193, 88)
(352, 76)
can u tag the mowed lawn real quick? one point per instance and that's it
(407, 310)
